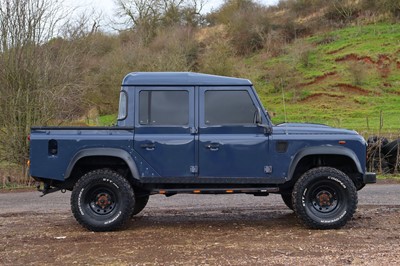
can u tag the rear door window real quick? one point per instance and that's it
(164, 107)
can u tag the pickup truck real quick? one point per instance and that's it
(200, 134)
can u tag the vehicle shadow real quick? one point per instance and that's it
(215, 217)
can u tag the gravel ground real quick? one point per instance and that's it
(200, 230)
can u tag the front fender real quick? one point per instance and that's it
(112, 152)
(323, 150)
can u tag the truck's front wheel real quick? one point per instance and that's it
(102, 200)
(324, 198)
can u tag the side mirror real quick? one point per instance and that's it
(257, 116)
(258, 122)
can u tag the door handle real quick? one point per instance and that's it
(148, 146)
(213, 146)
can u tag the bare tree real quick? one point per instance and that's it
(142, 15)
(146, 16)
(35, 75)
(83, 25)
(345, 9)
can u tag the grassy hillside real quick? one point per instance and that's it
(343, 78)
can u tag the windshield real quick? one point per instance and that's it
(122, 106)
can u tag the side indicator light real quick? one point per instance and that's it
(229, 191)
(342, 142)
(196, 191)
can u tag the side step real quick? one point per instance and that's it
(261, 191)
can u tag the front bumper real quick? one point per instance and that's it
(369, 178)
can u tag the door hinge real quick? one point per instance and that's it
(268, 169)
(194, 169)
(193, 130)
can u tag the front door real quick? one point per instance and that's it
(164, 123)
(230, 143)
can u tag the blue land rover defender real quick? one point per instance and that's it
(201, 134)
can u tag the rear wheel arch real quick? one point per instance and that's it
(97, 158)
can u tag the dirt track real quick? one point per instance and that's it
(194, 229)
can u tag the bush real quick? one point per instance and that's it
(342, 11)
(217, 57)
(358, 72)
(177, 49)
(247, 24)
(275, 43)
(248, 30)
(301, 52)
(304, 6)
(282, 77)
(391, 6)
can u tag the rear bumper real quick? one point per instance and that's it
(369, 178)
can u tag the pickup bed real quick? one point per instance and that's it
(197, 133)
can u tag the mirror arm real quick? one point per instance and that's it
(267, 128)
(258, 121)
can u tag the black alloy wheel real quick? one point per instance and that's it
(324, 198)
(102, 200)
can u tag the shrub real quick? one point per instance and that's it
(282, 77)
(301, 52)
(217, 58)
(247, 24)
(358, 72)
(275, 43)
(342, 11)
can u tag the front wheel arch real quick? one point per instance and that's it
(316, 154)
(346, 164)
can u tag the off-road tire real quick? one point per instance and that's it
(140, 203)
(102, 200)
(324, 198)
(287, 199)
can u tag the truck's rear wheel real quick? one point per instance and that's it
(102, 200)
(324, 198)
(140, 203)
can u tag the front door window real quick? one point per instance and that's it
(228, 108)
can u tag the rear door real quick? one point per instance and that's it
(230, 143)
(164, 123)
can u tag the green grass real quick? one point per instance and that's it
(332, 104)
(12, 177)
(16, 187)
(392, 177)
(104, 120)
(108, 120)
